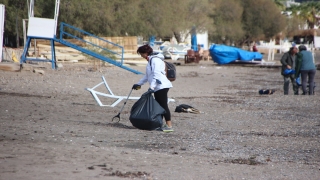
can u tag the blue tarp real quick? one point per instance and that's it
(223, 54)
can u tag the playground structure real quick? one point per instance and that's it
(44, 28)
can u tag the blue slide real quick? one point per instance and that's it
(223, 54)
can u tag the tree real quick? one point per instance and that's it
(226, 18)
(164, 19)
(261, 20)
(15, 12)
(195, 16)
(280, 4)
(308, 12)
(226, 21)
(293, 25)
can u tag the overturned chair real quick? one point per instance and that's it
(95, 94)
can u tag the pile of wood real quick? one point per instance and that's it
(129, 43)
(42, 48)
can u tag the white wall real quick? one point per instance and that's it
(317, 41)
(203, 40)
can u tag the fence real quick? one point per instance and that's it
(129, 43)
(12, 54)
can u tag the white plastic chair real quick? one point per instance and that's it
(111, 95)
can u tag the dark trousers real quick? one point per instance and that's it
(287, 82)
(308, 76)
(161, 96)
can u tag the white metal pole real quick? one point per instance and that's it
(2, 14)
(312, 50)
(31, 8)
(24, 31)
(56, 11)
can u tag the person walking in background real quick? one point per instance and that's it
(158, 81)
(254, 48)
(288, 62)
(200, 50)
(199, 53)
(307, 69)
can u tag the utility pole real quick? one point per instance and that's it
(2, 13)
(17, 31)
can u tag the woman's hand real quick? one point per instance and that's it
(136, 86)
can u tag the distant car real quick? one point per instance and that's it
(178, 51)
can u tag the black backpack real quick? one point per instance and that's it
(170, 70)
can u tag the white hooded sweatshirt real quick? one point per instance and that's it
(156, 74)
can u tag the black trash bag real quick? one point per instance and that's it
(146, 113)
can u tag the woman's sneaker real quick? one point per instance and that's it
(166, 128)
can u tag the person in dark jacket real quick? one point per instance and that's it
(307, 69)
(288, 62)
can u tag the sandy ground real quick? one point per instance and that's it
(51, 127)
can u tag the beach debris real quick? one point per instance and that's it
(14, 67)
(38, 71)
